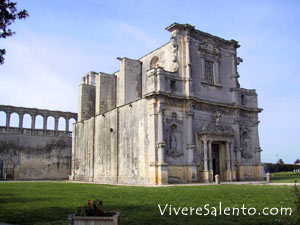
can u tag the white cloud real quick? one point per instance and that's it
(138, 34)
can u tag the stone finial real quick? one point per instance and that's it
(268, 178)
(217, 179)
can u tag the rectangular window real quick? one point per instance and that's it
(209, 71)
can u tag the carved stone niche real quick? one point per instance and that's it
(174, 150)
(245, 144)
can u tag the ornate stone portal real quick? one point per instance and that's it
(176, 115)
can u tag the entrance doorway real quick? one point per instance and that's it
(215, 160)
(8, 168)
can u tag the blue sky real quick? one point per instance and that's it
(63, 40)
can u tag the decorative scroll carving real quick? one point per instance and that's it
(221, 129)
(218, 116)
(174, 43)
(206, 47)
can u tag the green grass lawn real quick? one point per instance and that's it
(33, 203)
(285, 177)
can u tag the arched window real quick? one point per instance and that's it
(27, 121)
(14, 120)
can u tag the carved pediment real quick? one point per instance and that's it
(209, 48)
(221, 129)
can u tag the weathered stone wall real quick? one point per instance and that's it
(133, 143)
(33, 154)
(112, 148)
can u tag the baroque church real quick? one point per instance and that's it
(176, 115)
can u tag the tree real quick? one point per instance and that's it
(280, 161)
(8, 14)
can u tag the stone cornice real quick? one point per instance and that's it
(191, 29)
(204, 101)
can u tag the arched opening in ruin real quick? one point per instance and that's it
(50, 123)
(27, 121)
(71, 122)
(39, 122)
(7, 169)
(61, 124)
(2, 118)
(14, 120)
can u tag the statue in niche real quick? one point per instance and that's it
(173, 141)
(174, 150)
(244, 145)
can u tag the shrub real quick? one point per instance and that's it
(294, 219)
(94, 208)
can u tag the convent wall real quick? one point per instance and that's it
(35, 152)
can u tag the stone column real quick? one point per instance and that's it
(188, 65)
(255, 136)
(192, 168)
(67, 124)
(74, 156)
(191, 145)
(257, 154)
(8, 119)
(206, 176)
(21, 116)
(210, 155)
(205, 155)
(232, 162)
(187, 57)
(162, 167)
(45, 118)
(211, 173)
(161, 144)
(238, 156)
(56, 123)
(33, 121)
(229, 177)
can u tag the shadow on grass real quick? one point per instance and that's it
(130, 215)
(22, 200)
(45, 216)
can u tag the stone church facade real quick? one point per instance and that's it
(176, 115)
